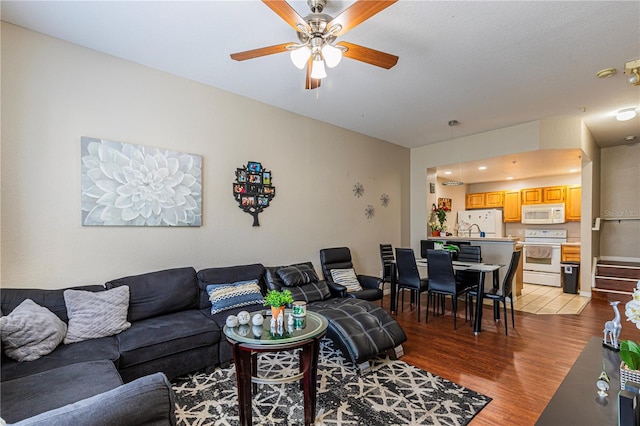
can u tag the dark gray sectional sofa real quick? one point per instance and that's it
(172, 333)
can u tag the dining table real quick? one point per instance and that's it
(482, 268)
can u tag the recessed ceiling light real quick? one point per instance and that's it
(573, 170)
(482, 168)
(626, 114)
(447, 172)
(509, 177)
(630, 138)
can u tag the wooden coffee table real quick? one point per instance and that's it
(247, 343)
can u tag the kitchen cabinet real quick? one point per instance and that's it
(573, 203)
(484, 200)
(494, 199)
(474, 201)
(547, 195)
(512, 207)
(569, 253)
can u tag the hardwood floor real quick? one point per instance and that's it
(521, 371)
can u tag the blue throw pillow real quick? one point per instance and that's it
(229, 296)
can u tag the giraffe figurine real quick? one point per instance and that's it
(612, 328)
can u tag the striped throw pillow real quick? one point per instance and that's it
(235, 295)
(347, 278)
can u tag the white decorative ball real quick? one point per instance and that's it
(232, 321)
(257, 331)
(244, 317)
(257, 319)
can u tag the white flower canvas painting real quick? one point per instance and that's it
(134, 185)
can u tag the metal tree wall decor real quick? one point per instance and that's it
(253, 189)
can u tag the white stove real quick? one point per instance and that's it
(541, 256)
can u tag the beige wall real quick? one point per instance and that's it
(54, 92)
(620, 198)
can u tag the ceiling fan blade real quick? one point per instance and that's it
(311, 83)
(286, 12)
(368, 55)
(263, 51)
(357, 13)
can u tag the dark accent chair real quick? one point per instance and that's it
(505, 291)
(386, 259)
(340, 258)
(442, 280)
(409, 277)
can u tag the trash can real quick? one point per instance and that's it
(570, 277)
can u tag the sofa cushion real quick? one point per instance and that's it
(347, 278)
(105, 348)
(361, 329)
(296, 275)
(31, 331)
(224, 297)
(95, 315)
(159, 293)
(225, 275)
(53, 300)
(166, 335)
(311, 292)
(147, 401)
(28, 396)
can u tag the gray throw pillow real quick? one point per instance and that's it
(347, 278)
(31, 331)
(94, 315)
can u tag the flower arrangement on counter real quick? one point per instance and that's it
(441, 214)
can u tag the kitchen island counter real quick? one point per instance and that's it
(508, 240)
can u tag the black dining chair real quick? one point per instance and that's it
(387, 259)
(505, 291)
(442, 280)
(409, 277)
(469, 254)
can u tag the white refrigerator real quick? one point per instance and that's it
(489, 221)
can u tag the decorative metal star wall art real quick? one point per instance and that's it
(384, 200)
(358, 190)
(369, 211)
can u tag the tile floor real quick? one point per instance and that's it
(541, 299)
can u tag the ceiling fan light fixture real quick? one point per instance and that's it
(626, 114)
(332, 55)
(317, 69)
(300, 56)
(634, 77)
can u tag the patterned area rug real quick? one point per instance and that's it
(389, 393)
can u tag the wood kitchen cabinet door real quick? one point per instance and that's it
(512, 207)
(573, 203)
(553, 194)
(569, 253)
(531, 196)
(493, 199)
(475, 201)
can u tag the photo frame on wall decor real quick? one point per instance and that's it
(135, 185)
(253, 190)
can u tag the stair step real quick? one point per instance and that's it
(630, 272)
(616, 284)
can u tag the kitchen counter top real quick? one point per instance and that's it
(509, 240)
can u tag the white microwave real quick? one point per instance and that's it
(543, 213)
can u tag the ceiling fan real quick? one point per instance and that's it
(317, 33)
